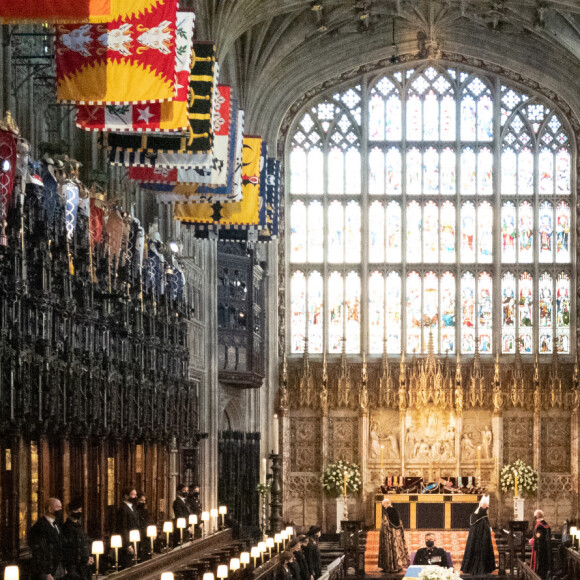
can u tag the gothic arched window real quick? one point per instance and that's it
(432, 205)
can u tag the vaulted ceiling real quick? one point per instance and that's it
(277, 50)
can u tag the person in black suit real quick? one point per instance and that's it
(312, 551)
(181, 509)
(127, 520)
(194, 501)
(431, 555)
(46, 543)
(77, 557)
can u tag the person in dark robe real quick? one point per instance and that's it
(541, 562)
(194, 501)
(301, 558)
(430, 555)
(393, 553)
(283, 572)
(293, 564)
(313, 551)
(144, 521)
(77, 556)
(479, 557)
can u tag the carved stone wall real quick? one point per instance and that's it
(555, 450)
(343, 435)
(518, 437)
(305, 449)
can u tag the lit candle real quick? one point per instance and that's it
(116, 543)
(516, 483)
(269, 545)
(479, 461)
(263, 471)
(152, 534)
(98, 549)
(181, 526)
(222, 571)
(245, 558)
(223, 510)
(11, 573)
(382, 450)
(275, 430)
(135, 538)
(345, 483)
(234, 564)
(255, 553)
(167, 529)
(166, 575)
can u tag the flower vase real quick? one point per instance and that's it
(519, 509)
(341, 512)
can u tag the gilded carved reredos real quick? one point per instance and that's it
(430, 382)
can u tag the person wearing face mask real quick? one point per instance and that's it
(144, 521)
(45, 541)
(127, 520)
(431, 554)
(181, 509)
(77, 556)
(195, 507)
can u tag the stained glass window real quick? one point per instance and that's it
(417, 218)
(376, 312)
(315, 314)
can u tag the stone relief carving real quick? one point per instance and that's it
(486, 443)
(430, 437)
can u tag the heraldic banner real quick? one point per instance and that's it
(76, 11)
(163, 116)
(128, 60)
(241, 213)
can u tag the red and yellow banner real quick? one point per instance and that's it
(128, 60)
(164, 116)
(240, 213)
(72, 11)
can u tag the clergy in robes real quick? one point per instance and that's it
(479, 557)
(393, 553)
(541, 541)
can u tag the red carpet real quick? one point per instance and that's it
(452, 541)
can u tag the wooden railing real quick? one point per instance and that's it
(571, 564)
(336, 570)
(524, 572)
(175, 559)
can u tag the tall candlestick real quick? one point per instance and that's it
(516, 483)
(276, 448)
(479, 461)
(345, 483)
(382, 449)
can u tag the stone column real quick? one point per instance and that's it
(497, 430)
(363, 445)
(575, 459)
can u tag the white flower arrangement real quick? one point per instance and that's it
(438, 573)
(527, 477)
(333, 478)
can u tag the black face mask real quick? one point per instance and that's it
(58, 515)
(76, 515)
(133, 500)
(195, 494)
(429, 543)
